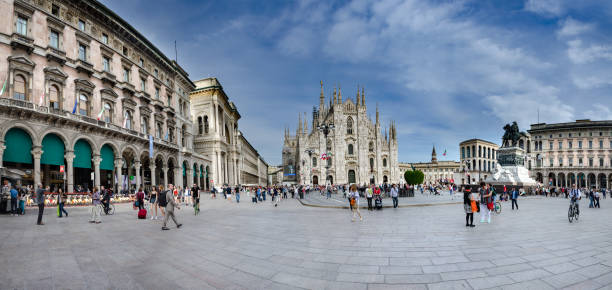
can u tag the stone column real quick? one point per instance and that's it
(189, 173)
(119, 178)
(213, 166)
(165, 174)
(153, 173)
(96, 161)
(138, 177)
(178, 180)
(36, 153)
(69, 156)
(2, 147)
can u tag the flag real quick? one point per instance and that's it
(444, 154)
(3, 87)
(166, 138)
(323, 156)
(76, 102)
(150, 146)
(101, 112)
(125, 119)
(42, 99)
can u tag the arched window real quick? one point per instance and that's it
(371, 146)
(144, 125)
(314, 161)
(108, 113)
(371, 164)
(206, 124)
(200, 125)
(20, 88)
(128, 120)
(385, 162)
(350, 149)
(83, 105)
(54, 97)
(183, 130)
(349, 126)
(159, 130)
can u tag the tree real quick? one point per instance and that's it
(414, 177)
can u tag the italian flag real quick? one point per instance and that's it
(444, 154)
(3, 87)
(101, 112)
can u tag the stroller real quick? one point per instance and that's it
(378, 204)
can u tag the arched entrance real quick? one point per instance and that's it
(571, 179)
(17, 156)
(51, 160)
(107, 165)
(315, 180)
(330, 179)
(561, 180)
(159, 169)
(127, 178)
(552, 180)
(82, 166)
(145, 169)
(185, 175)
(591, 180)
(351, 176)
(385, 179)
(539, 177)
(581, 180)
(602, 180)
(170, 172)
(207, 179)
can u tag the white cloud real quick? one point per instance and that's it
(581, 54)
(599, 112)
(571, 27)
(547, 8)
(590, 82)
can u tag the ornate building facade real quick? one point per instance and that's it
(478, 159)
(578, 153)
(435, 172)
(356, 150)
(83, 91)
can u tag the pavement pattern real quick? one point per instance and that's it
(258, 246)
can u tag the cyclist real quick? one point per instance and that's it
(574, 195)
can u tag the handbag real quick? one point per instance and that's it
(352, 201)
(490, 206)
(474, 206)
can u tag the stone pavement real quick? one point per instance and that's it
(338, 200)
(257, 246)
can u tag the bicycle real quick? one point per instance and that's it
(572, 213)
(497, 207)
(110, 210)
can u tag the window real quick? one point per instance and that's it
(108, 113)
(349, 126)
(171, 135)
(371, 146)
(579, 144)
(169, 98)
(600, 144)
(156, 73)
(489, 153)
(314, 161)
(371, 164)
(106, 63)
(550, 162)
(601, 162)
(144, 125)
(200, 125)
(54, 97)
(143, 85)
(82, 52)
(81, 25)
(468, 152)
(591, 162)
(385, 162)
(560, 145)
(54, 39)
(126, 74)
(22, 25)
(579, 161)
(125, 50)
(570, 134)
(83, 105)
(570, 161)
(550, 145)
(20, 88)
(157, 93)
(55, 10)
(479, 151)
(128, 120)
(569, 144)
(590, 144)
(462, 152)
(206, 124)
(104, 38)
(350, 149)
(329, 161)
(158, 130)
(141, 62)
(610, 146)
(560, 162)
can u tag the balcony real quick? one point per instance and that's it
(84, 66)
(32, 111)
(56, 55)
(23, 42)
(144, 96)
(127, 87)
(109, 78)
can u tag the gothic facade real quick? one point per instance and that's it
(356, 150)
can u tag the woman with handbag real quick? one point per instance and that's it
(354, 200)
(486, 203)
(469, 205)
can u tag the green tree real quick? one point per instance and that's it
(414, 177)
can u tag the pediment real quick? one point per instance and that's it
(109, 92)
(56, 72)
(22, 60)
(129, 102)
(84, 85)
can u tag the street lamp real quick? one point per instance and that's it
(326, 129)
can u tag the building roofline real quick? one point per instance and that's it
(584, 123)
(476, 139)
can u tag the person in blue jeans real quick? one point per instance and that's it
(14, 195)
(514, 197)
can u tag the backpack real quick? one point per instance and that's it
(161, 200)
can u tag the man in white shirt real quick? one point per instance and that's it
(574, 197)
(394, 195)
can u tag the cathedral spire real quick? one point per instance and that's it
(321, 97)
(434, 159)
(334, 97)
(377, 115)
(362, 96)
(299, 130)
(305, 124)
(339, 101)
(357, 98)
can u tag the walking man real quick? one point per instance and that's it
(40, 198)
(170, 205)
(514, 197)
(394, 195)
(195, 195)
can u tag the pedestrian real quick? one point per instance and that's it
(195, 196)
(354, 197)
(470, 206)
(591, 199)
(96, 206)
(140, 198)
(237, 195)
(596, 198)
(394, 195)
(514, 198)
(153, 202)
(161, 199)
(23, 197)
(14, 198)
(61, 201)
(369, 197)
(170, 205)
(485, 202)
(40, 198)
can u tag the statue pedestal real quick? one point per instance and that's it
(510, 168)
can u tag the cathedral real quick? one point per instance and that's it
(342, 146)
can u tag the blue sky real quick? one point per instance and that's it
(445, 71)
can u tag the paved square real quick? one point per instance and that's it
(258, 246)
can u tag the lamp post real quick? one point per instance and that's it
(310, 151)
(326, 129)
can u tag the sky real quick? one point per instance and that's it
(444, 71)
